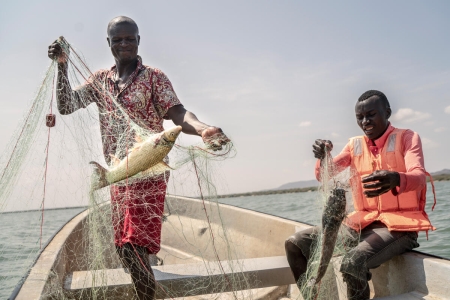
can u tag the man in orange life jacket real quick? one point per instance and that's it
(388, 189)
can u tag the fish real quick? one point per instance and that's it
(146, 157)
(332, 217)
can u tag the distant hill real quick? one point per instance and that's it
(298, 185)
(313, 183)
(440, 175)
(441, 172)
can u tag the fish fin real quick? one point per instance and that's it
(98, 177)
(165, 165)
(157, 169)
(115, 160)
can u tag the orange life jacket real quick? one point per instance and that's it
(404, 212)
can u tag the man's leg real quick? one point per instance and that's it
(377, 245)
(357, 289)
(135, 259)
(136, 214)
(298, 251)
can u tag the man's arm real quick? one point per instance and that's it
(339, 163)
(211, 135)
(414, 178)
(67, 100)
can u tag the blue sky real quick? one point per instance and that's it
(274, 75)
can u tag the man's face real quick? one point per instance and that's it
(372, 116)
(123, 39)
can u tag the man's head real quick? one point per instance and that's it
(123, 38)
(372, 113)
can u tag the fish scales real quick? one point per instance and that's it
(143, 157)
(333, 215)
(147, 155)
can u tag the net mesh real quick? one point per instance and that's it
(332, 241)
(48, 167)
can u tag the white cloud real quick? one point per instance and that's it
(309, 163)
(430, 86)
(408, 115)
(305, 124)
(335, 135)
(447, 110)
(440, 129)
(429, 144)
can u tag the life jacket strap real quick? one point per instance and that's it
(432, 187)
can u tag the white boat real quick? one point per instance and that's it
(259, 250)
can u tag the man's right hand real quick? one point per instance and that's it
(55, 51)
(214, 137)
(320, 146)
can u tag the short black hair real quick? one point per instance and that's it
(121, 20)
(370, 93)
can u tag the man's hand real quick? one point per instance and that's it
(214, 138)
(380, 182)
(319, 148)
(55, 51)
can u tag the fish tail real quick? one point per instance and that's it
(98, 176)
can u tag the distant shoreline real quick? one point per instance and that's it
(271, 192)
(442, 177)
(47, 209)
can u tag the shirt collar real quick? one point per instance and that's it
(379, 143)
(112, 72)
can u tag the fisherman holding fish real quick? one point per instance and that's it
(146, 96)
(388, 181)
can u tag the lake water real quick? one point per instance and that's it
(20, 242)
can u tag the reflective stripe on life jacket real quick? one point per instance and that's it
(402, 212)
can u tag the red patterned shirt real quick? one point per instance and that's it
(145, 98)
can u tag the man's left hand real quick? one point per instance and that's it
(380, 182)
(214, 138)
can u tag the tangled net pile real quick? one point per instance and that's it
(334, 184)
(46, 167)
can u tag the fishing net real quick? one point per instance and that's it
(331, 241)
(48, 166)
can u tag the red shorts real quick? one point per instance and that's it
(137, 211)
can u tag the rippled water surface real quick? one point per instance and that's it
(20, 231)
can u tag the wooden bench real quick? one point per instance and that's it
(183, 280)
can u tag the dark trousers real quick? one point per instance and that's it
(368, 249)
